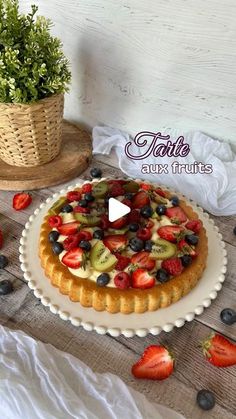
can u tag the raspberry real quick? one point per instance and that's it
(122, 263)
(71, 242)
(87, 187)
(82, 210)
(73, 196)
(122, 280)
(85, 235)
(194, 225)
(144, 234)
(116, 190)
(55, 221)
(134, 216)
(146, 186)
(173, 266)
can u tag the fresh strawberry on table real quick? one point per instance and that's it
(115, 242)
(176, 215)
(219, 351)
(68, 228)
(156, 363)
(21, 201)
(194, 225)
(73, 258)
(142, 279)
(143, 260)
(140, 200)
(170, 233)
(173, 266)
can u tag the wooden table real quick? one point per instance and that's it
(21, 310)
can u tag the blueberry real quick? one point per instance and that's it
(234, 230)
(129, 196)
(186, 260)
(136, 244)
(3, 261)
(84, 244)
(148, 246)
(67, 208)
(89, 197)
(53, 236)
(162, 275)
(5, 287)
(83, 203)
(133, 227)
(205, 399)
(174, 200)
(103, 280)
(161, 209)
(57, 248)
(228, 316)
(146, 211)
(98, 234)
(96, 172)
(191, 239)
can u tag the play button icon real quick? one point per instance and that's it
(116, 209)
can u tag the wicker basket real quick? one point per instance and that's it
(30, 135)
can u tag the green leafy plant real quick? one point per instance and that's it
(32, 63)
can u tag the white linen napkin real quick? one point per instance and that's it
(216, 192)
(37, 381)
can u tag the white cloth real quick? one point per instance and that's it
(216, 192)
(37, 381)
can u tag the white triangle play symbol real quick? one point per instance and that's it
(116, 209)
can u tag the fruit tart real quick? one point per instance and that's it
(145, 260)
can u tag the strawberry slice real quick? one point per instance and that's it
(186, 248)
(121, 222)
(1, 239)
(123, 262)
(149, 224)
(176, 215)
(73, 258)
(144, 233)
(115, 242)
(146, 186)
(173, 266)
(160, 192)
(143, 260)
(140, 200)
(142, 279)
(194, 225)
(116, 190)
(68, 228)
(156, 363)
(73, 196)
(219, 351)
(21, 201)
(170, 233)
(82, 210)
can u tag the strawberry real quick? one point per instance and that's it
(105, 223)
(115, 242)
(143, 260)
(68, 228)
(73, 196)
(55, 221)
(121, 222)
(117, 182)
(81, 210)
(127, 202)
(219, 351)
(149, 224)
(21, 201)
(86, 188)
(156, 363)
(170, 233)
(85, 235)
(173, 266)
(122, 263)
(186, 249)
(116, 190)
(71, 242)
(176, 215)
(134, 216)
(160, 192)
(194, 225)
(144, 233)
(142, 279)
(146, 186)
(122, 280)
(1, 239)
(140, 200)
(73, 258)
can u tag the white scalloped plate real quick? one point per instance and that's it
(115, 324)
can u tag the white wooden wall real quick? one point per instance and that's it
(149, 64)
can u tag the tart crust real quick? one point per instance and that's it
(126, 301)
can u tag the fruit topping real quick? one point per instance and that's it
(219, 351)
(101, 258)
(122, 280)
(85, 245)
(103, 280)
(57, 248)
(142, 279)
(68, 228)
(175, 201)
(86, 188)
(162, 275)
(98, 234)
(74, 258)
(191, 239)
(123, 262)
(115, 242)
(87, 219)
(158, 198)
(194, 225)
(121, 222)
(146, 211)
(71, 241)
(83, 203)
(104, 222)
(162, 249)
(170, 233)
(53, 236)
(134, 216)
(5, 287)
(148, 245)
(116, 190)
(140, 200)
(89, 197)
(100, 189)
(144, 233)
(96, 172)
(185, 248)
(186, 260)
(1, 239)
(67, 208)
(133, 227)
(136, 244)
(176, 215)
(205, 399)
(161, 209)
(55, 221)
(228, 316)
(85, 235)
(55, 209)
(21, 201)
(146, 186)
(131, 187)
(143, 260)
(73, 196)
(129, 196)
(3, 261)
(81, 210)
(156, 363)
(173, 266)
(160, 192)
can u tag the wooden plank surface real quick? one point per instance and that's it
(21, 310)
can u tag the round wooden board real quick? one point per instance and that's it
(74, 158)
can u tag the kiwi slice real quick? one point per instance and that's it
(87, 219)
(116, 231)
(159, 199)
(55, 209)
(162, 249)
(101, 258)
(100, 189)
(131, 186)
(155, 215)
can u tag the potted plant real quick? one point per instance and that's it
(34, 74)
